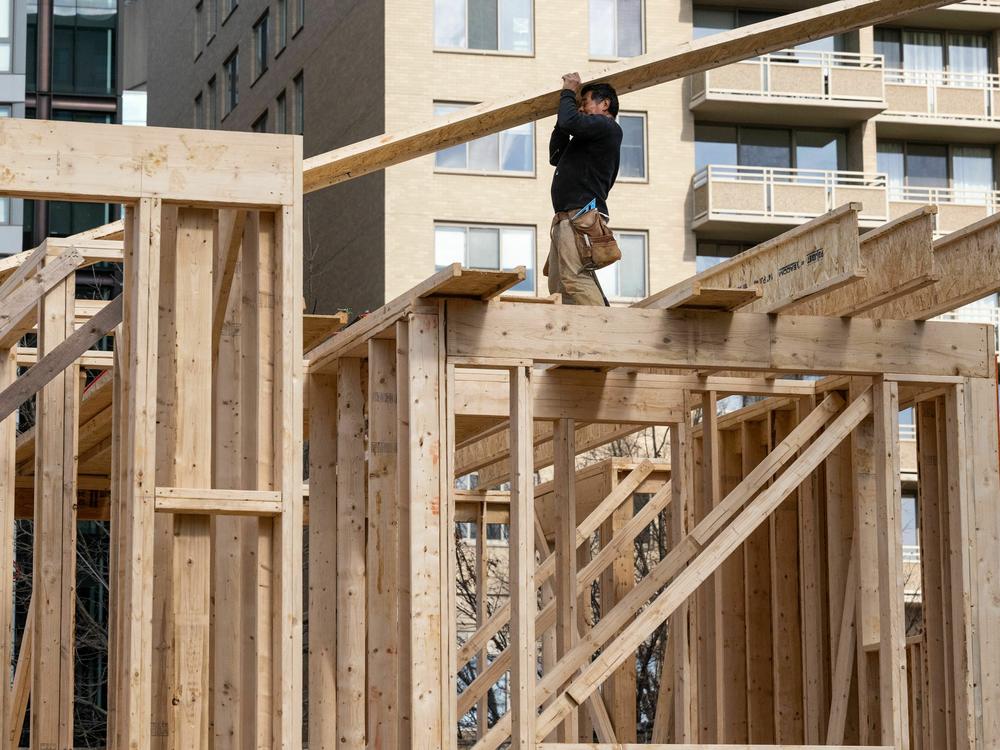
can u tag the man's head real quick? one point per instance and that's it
(599, 99)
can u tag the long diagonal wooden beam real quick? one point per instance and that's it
(230, 238)
(61, 357)
(705, 563)
(689, 555)
(670, 565)
(15, 309)
(631, 75)
(547, 617)
(623, 490)
(32, 260)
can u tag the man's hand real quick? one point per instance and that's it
(572, 82)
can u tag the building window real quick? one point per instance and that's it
(260, 124)
(212, 110)
(616, 28)
(281, 32)
(921, 56)
(496, 25)
(486, 246)
(626, 279)
(260, 46)
(83, 48)
(710, 253)
(199, 28)
(937, 172)
(300, 14)
(281, 114)
(67, 218)
(737, 145)
(199, 111)
(212, 19)
(6, 35)
(231, 68)
(5, 111)
(228, 6)
(509, 152)
(299, 112)
(633, 153)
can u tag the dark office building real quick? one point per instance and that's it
(70, 74)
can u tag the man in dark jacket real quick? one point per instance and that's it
(585, 150)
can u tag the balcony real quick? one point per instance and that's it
(936, 102)
(968, 15)
(957, 207)
(839, 87)
(756, 201)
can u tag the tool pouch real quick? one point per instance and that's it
(594, 241)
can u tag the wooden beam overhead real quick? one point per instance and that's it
(709, 340)
(633, 74)
(898, 259)
(567, 394)
(61, 357)
(969, 268)
(808, 261)
(453, 281)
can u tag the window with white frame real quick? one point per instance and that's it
(633, 152)
(487, 246)
(616, 28)
(6, 34)
(509, 152)
(493, 25)
(626, 279)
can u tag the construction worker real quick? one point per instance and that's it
(585, 150)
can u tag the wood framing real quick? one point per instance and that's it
(754, 556)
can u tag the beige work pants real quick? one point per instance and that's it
(566, 274)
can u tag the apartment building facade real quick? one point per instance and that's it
(57, 61)
(13, 30)
(893, 117)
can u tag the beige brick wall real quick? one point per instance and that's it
(416, 196)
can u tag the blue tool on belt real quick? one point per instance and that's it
(589, 207)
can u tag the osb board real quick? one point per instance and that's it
(898, 257)
(968, 263)
(814, 258)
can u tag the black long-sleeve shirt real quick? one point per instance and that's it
(586, 151)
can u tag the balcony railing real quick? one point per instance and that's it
(957, 207)
(795, 195)
(977, 4)
(911, 553)
(974, 97)
(797, 74)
